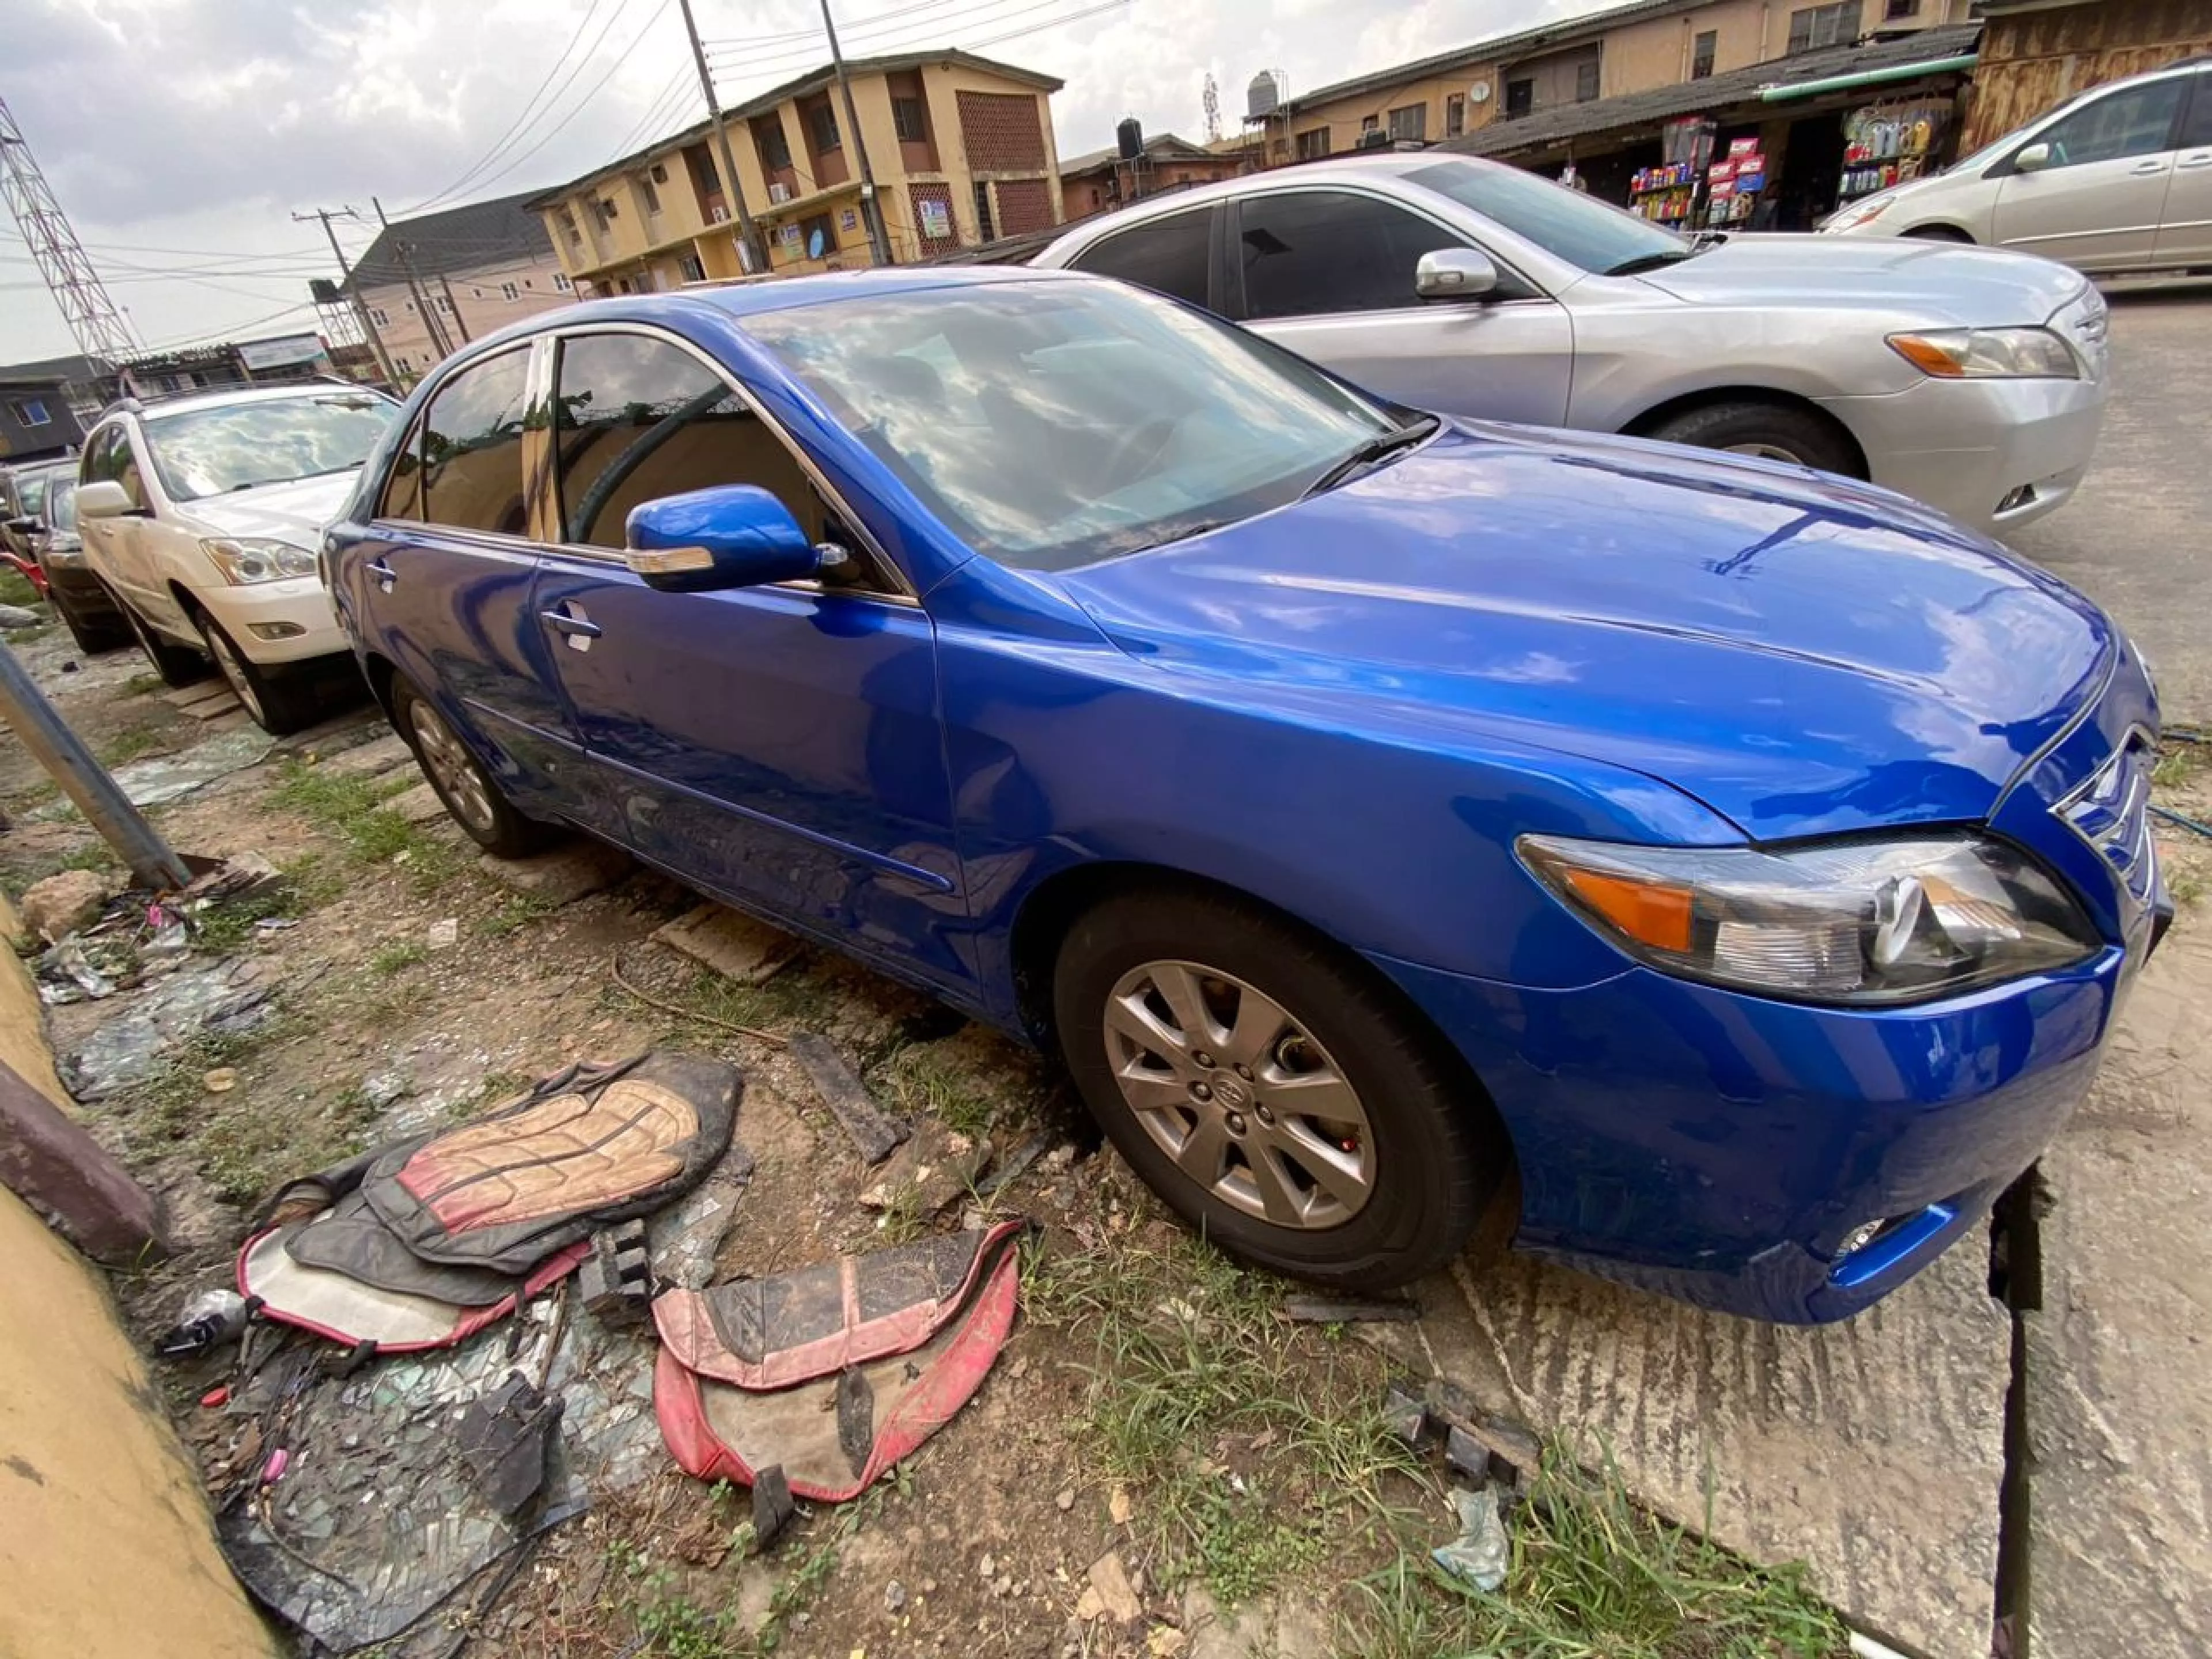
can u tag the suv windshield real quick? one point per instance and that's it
(1051, 423)
(1563, 222)
(207, 452)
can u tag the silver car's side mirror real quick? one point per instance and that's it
(1455, 273)
(2033, 159)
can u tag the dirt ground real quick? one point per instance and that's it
(1153, 1404)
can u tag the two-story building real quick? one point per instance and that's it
(430, 284)
(46, 406)
(960, 149)
(1630, 48)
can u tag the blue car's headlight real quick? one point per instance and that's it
(1856, 921)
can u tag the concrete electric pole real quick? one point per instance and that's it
(751, 253)
(324, 216)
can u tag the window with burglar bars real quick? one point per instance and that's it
(1813, 27)
(1455, 115)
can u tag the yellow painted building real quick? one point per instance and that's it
(1635, 48)
(960, 147)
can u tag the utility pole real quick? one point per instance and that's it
(453, 308)
(869, 206)
(439, 343)
(345, 279)
(752, 255)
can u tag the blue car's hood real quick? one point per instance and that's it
(1801, 655)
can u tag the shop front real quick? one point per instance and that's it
(1775, 146)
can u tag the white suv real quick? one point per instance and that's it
(201, 514)
(2118, 179)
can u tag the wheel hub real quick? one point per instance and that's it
(1232, 1087)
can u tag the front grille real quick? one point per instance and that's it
(2111, 812)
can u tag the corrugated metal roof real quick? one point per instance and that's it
(1546, 128)
(56, 371)
(455, 239)
(1166, 145)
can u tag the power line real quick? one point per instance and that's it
(780, 66)
(532, 111)
(659, 112)
(226, 331)
(982, 14)
(857, 25)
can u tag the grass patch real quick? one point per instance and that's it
(130, 744)
(2185, 886)
(141, 685)
(921, 1077)
(16, 588)
(2178, 764)
(1592, 1574)
(668, 1621)
(354, 810)
(396, 956)
(30, 636)
(1255, 1451)
(514, 914)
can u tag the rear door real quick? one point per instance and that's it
(2184, 236)
(1329, 274)
(780, 745)
(445, 574)
(2098, 203)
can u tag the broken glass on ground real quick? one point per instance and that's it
(225, 997)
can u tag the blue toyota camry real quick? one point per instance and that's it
(1389, 819)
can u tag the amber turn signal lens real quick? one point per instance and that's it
(1647, 912)
(1927, 356)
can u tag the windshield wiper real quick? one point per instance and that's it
(1644, 262)
(1379, 447)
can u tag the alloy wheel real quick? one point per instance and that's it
(1768, 452)
(451, 768)
(234, 673)
(1241, 1096)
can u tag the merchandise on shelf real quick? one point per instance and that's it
(1886, 144)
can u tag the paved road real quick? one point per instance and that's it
(2138, 537)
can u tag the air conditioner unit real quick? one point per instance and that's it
(779, 192)
(717, 214)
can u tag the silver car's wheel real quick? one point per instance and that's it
(459, 781)
(1235, 1090)
(1768, 453)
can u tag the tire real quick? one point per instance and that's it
(458, 779)
(1432, 1160)
(1777, 432)
(177, 664)
(279, 703)
(92, 637)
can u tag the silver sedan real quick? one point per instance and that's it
(1969, 379)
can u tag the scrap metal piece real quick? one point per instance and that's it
(1016, 1162)
(873, 1132)
(615, 1280)
(506, 1438)
(772, 1509)
(1408, 1418)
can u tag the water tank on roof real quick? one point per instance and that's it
(1129, 138)
(1262, 97)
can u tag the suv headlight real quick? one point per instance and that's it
(247, 559)
(1858, 213)
(1858, 921)
(1989, 353)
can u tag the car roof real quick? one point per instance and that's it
(1377, 164)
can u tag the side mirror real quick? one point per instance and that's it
(23, 527)
(727, 536)
(1455, 273)
(2032, 159)
(104, 499)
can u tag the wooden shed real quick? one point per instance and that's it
(2037, 54)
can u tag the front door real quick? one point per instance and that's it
(2185, 239)
(2096, 202)
(780, 745)
(117, 545)
(445, 570)
(1329, 274)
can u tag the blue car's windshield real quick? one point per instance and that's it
(1053, 423)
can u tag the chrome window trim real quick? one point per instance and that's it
(902, 591)
(449, 373)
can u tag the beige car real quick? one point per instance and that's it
(2117, 180)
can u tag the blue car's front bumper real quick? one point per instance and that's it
(1723, 1148)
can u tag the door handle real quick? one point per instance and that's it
(568, 620)
(2201, 158)
(384, 575)
(2148, 167)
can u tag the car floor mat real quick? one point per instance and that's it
(836, 1431)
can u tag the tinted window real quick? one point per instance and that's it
(1169, 256)
(2138, 121)
(472, 447)
(1323, 250)
(636, 419)
(2197, 131)
(1051, 423)
(109, 457)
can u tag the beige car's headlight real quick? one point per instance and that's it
(1989, 353)
(245, 560)
(1857, 214)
